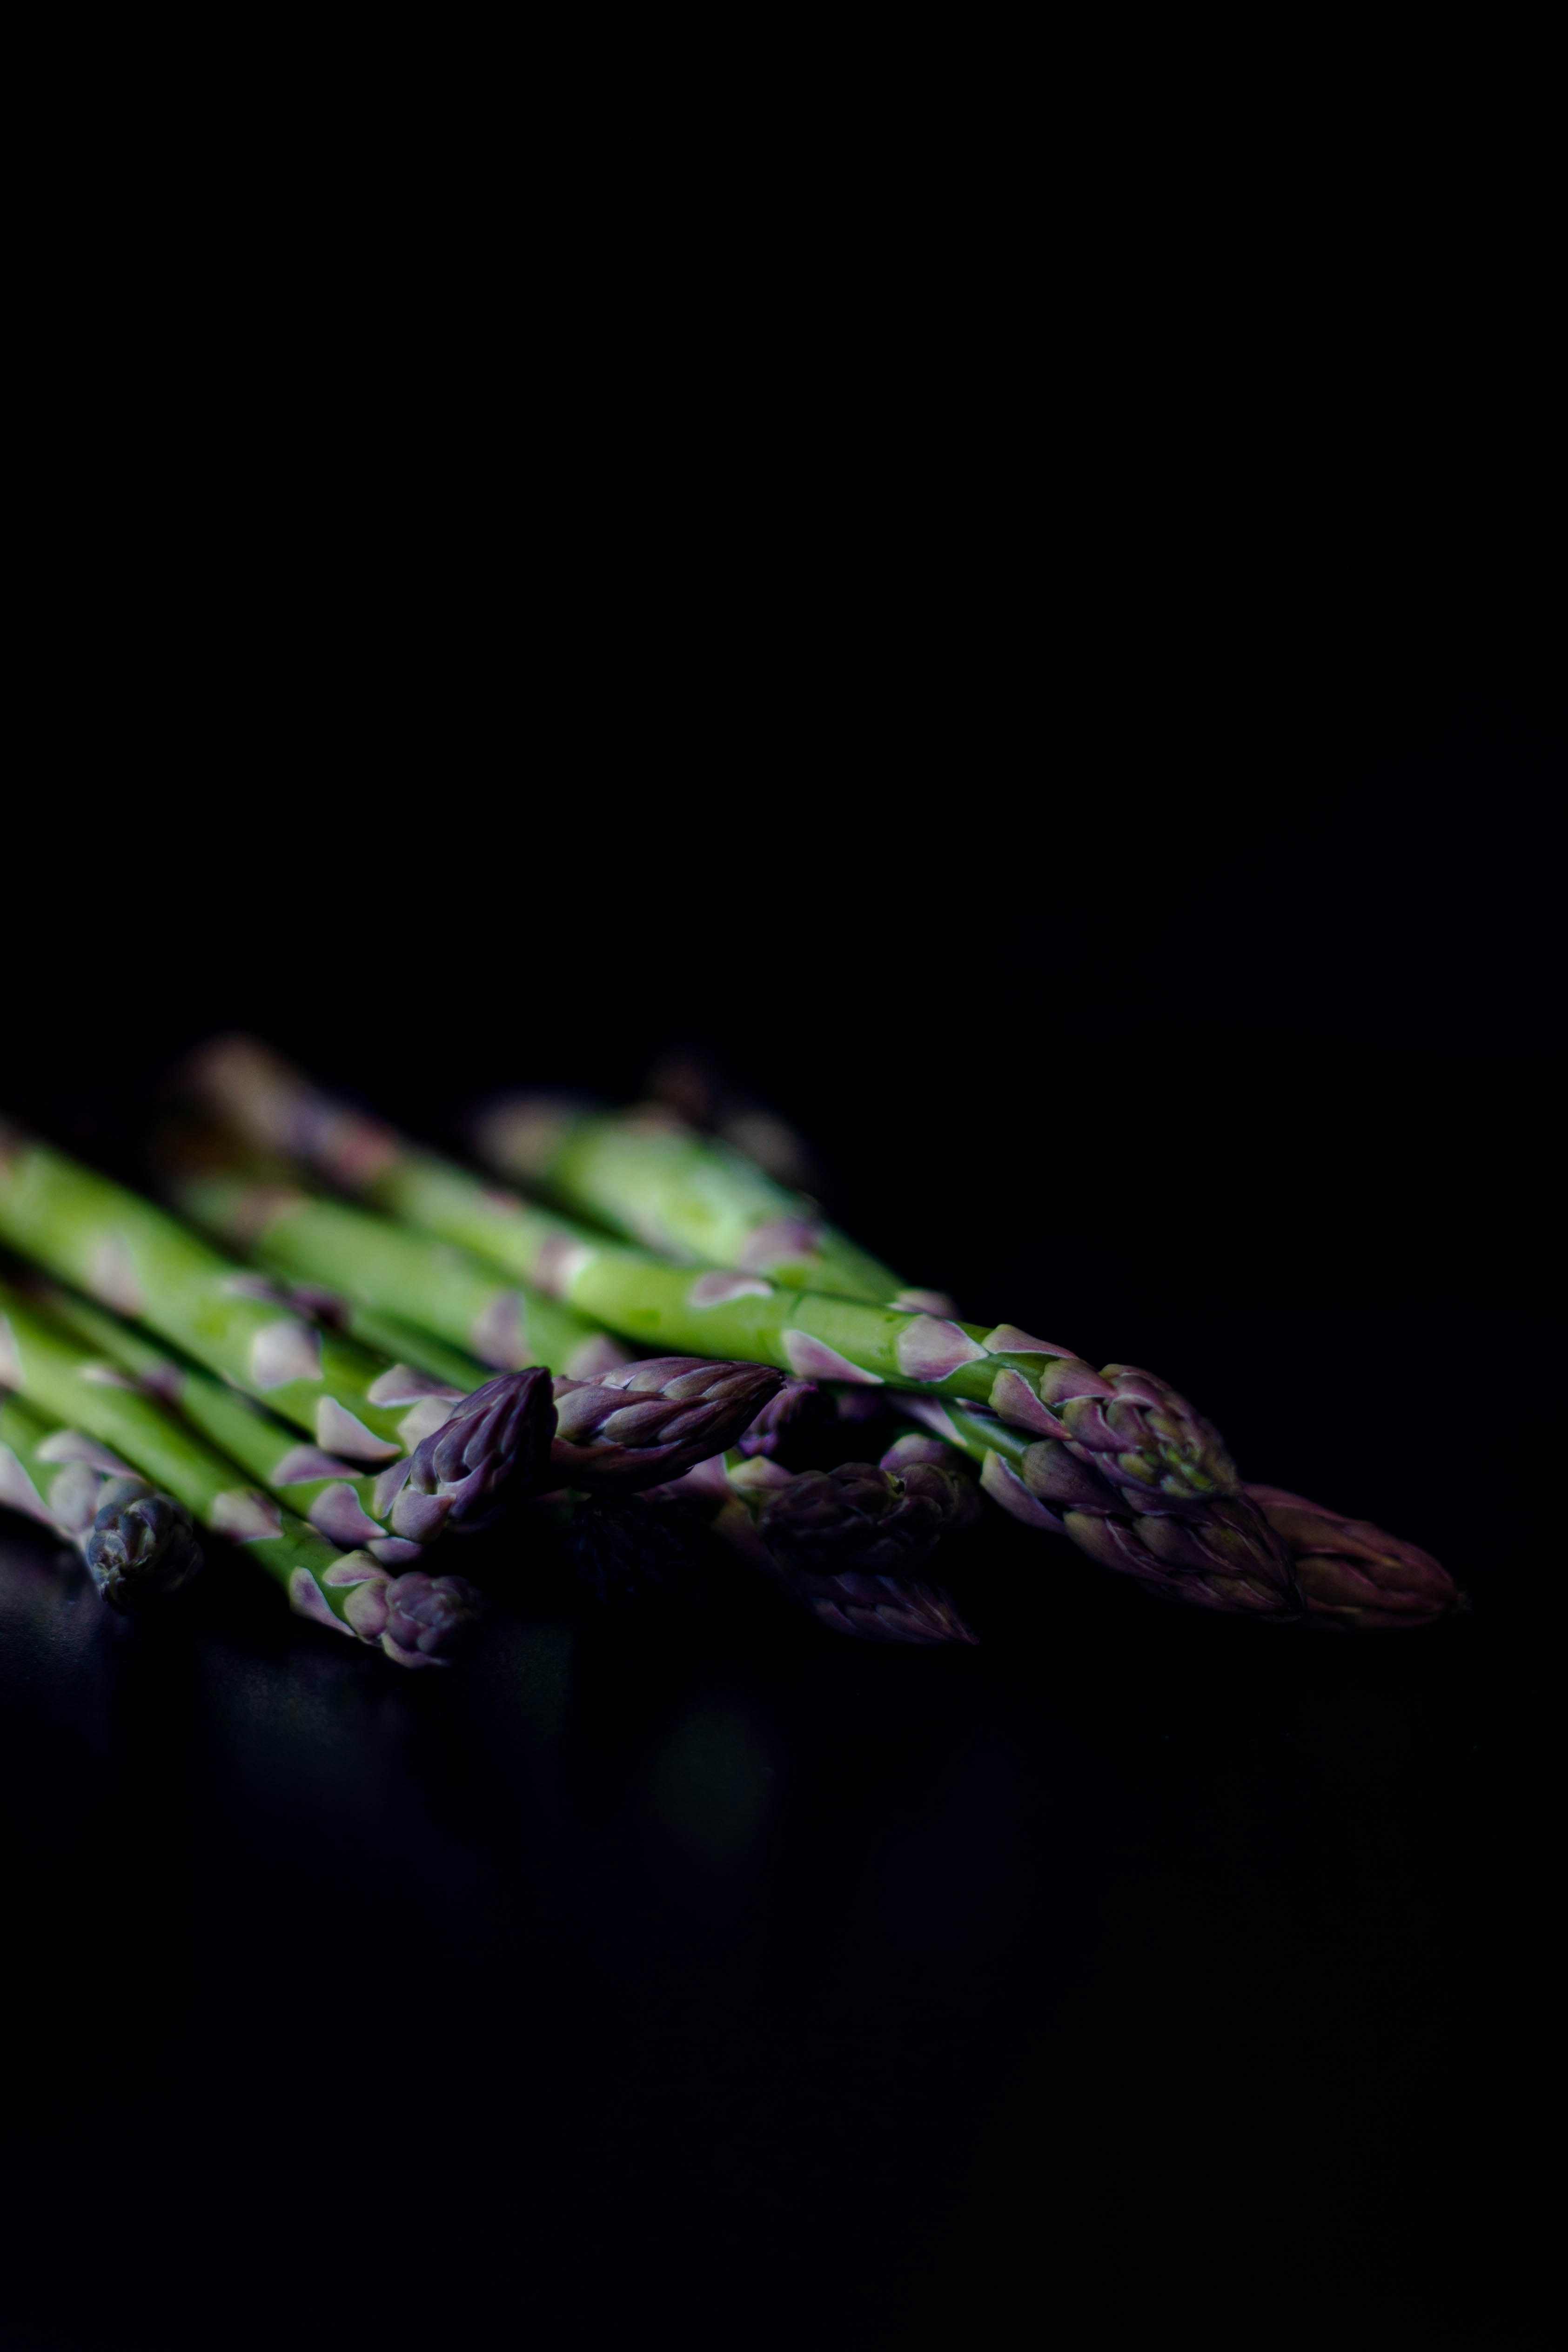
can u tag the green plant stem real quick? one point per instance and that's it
(135, 1258)
(382, 1269)
(1140, 1433)
(651, 1179)
(338, 1501)
(56, 1374)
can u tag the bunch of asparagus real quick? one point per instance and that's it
(347, 1364)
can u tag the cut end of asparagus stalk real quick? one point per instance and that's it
(143, 1550)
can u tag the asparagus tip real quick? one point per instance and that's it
(143, 1550)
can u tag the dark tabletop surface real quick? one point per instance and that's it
(679, 1968)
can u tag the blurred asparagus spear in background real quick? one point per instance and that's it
(643, 1174)
(1138, 1432)
(415, 1619)
(140, 1547)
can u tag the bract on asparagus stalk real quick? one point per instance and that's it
(1139, 1433)
(139, 1548)
(351, 1591)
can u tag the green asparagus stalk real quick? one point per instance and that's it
(1140, 1433)
(338, 1501)
(132, 1257)
(360, 1412)
(382, 1269)
(139, 1548)
(415, 1619)
(647, 1176)
(619, 1426)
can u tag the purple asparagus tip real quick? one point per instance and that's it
(418, 1619)
(1222, 1554)
(492, 1452)
(143, 1551)
(1352, 1573)
(643, 1423)
(879, 1607)
(794, 1420)
(865, 1518)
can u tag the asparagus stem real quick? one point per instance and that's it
(1141, 1434)
(134, 1257)
(385, 1269)
(647, 1176)
(57, 1373)
(346, 1505)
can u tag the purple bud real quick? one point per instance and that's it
(641, 1425)
(430, 1620)
(1220, 1554)
(1352, 1573)
(879, 1607)
(862, 1516)
(494, 1450)
(141, 1550)
(792, 1420)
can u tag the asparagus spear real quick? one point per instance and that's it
(644, 1424)
(645, 1175)
(139, 1548)
(135, 1258)
(416, 1499)
(415, 1619)
(650, 1176)
(1139, 1433)
(1352, 1573)
(842, 1543)
(1219, 1553)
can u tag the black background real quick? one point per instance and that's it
(1125, 850)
